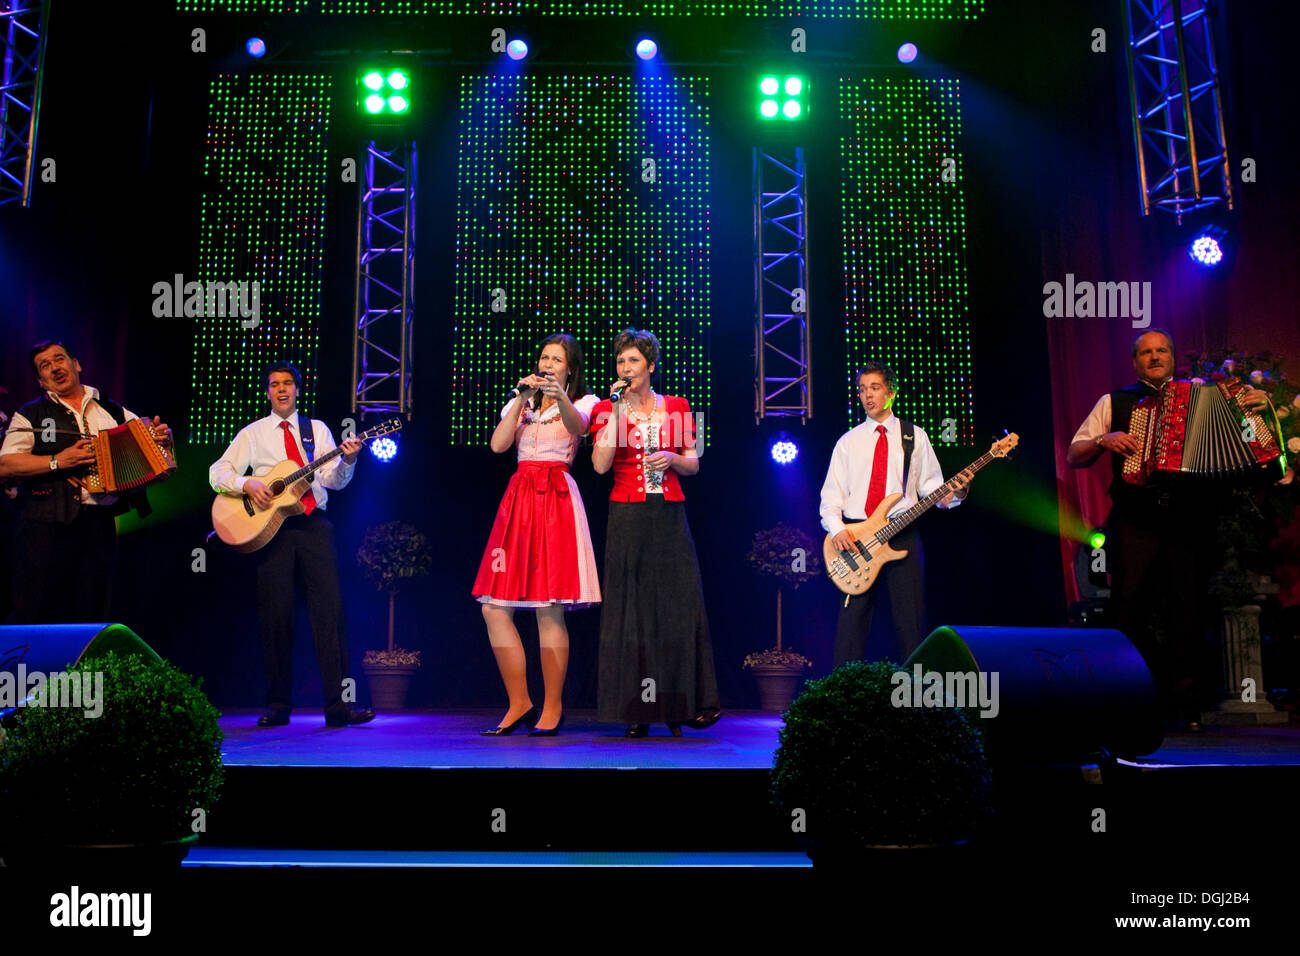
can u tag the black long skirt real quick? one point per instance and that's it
(653, 626)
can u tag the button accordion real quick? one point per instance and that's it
(1202, 430)
(127, 458)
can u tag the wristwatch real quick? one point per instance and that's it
(54, 463)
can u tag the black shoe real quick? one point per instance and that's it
(538, 732)
(704, 720)
(274, 717)
(346, 718)
(675, 728)
(528, 718)
(637, 730)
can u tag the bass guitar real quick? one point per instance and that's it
(246, 527)
(854, 571)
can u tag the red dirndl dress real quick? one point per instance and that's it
(539, 552)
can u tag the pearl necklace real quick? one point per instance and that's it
(642, 417)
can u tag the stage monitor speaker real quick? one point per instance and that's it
(51, 648)
(1063, 693)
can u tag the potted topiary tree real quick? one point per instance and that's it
(391, 554)
(870, 776)
(790, 556)
(124, 784)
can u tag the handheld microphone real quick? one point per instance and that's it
(616, 396)
(519, 389)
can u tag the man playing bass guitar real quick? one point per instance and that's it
(882, 456)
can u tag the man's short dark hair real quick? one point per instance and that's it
(1145, 332)
(877, 368)
(282, 367)
(40, 347)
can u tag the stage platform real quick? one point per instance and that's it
(427, 785)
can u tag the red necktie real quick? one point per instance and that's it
(879, 471)
(309, 499)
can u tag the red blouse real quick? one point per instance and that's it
(676, 434)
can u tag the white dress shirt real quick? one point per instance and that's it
(844, 494)
(91, 418)
(260, 446)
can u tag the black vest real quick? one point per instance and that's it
(50, 497)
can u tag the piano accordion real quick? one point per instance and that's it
(127, 458)
(1202, 430)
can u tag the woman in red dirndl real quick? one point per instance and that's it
(539, 554)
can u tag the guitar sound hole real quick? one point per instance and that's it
(277, 488)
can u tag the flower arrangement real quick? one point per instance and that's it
(389, 555)
(791, 556)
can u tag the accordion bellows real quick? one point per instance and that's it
(126, 459)
(1202, 430)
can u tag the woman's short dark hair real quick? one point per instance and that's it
(573, 358)
(877, 368)
(642, 340)
(282, 367)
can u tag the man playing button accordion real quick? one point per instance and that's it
(65, 541)
(1156, 539)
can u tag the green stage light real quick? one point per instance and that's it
(1096, 539)
(791, 105)
(379, 91)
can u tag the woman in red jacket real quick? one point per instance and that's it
(653, 627)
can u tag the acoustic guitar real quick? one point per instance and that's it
(246, 527)
(854, 571)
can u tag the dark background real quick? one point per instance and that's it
(1048, 174)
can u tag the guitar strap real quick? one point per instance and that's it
(909, 441)
(307, 437)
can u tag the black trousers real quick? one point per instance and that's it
(1160, 572)
(63, 573)
(904, 582)
(302, 555)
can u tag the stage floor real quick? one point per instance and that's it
(742, 740)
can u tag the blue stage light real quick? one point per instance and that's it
(517, 49)
(784, 451)
(383, 448)
(255, 46)
(907, 53)
(647, 49)
(1206, 250)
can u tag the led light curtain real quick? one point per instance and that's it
(906, 291)
(582, 206)
(864, 9)
(263, 221)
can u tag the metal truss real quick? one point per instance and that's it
(782, 350)
(382, 353)
(22, 61)
(1178, 130)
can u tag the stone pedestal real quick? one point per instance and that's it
(1242, 659)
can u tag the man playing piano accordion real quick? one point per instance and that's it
(65, 542)
(1157, 539)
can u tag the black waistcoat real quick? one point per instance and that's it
(51, 498)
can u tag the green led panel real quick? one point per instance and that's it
(846, 9)
(558, 207)
(263, 220)
(906, 296)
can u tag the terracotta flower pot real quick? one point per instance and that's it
(388, 685)
(777, 685)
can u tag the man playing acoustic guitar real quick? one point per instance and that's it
(302, 549)
(882, 456)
